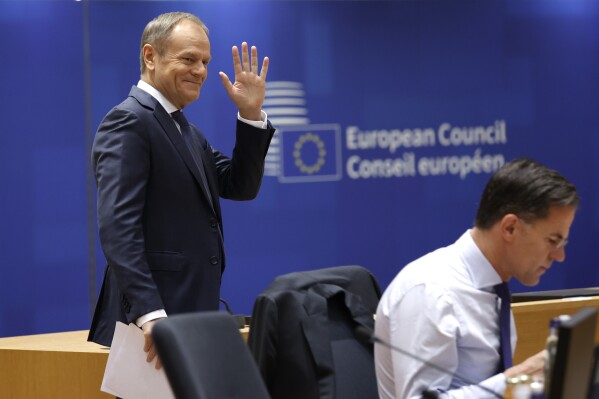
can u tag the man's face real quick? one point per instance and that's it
(181, 70)
(539, 243)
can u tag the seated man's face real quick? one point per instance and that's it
(537, 244)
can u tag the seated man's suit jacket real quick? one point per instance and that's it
(302, 334)
(160, 233)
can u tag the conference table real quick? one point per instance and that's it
(65, 365)
(57, 365)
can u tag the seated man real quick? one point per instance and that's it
(443, 307)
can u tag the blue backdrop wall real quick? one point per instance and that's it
(391, 117)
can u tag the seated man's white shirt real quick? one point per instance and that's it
(441, 308)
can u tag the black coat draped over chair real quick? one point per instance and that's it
(302, 334)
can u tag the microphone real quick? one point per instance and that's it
(367, 335)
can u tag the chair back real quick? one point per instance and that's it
(205, 357)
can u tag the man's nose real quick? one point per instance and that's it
(559, 254)
(199, 68)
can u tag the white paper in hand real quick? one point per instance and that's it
(127, 373)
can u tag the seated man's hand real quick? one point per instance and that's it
(534, 366)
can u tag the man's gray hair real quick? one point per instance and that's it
(158, 30)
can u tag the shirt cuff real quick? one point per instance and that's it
(262, 123)
(497, 384)
(157, 314)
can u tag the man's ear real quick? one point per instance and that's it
(150, 55)
(509, 226)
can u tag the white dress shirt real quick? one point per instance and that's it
(441, 308)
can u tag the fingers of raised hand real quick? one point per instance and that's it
(245, 58)
(264, 70)
(248, 61)
(236, 61)
(254, 60)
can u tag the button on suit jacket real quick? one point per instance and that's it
(161, 236)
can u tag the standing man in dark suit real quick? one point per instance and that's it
(159, 180)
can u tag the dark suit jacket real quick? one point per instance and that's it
(302, 334)
(160, 234)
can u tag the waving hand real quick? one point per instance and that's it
(249, 88)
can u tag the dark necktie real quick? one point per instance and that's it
(503, 291)
(194, 146)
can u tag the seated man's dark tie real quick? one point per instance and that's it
(194, 146)
(503, 291)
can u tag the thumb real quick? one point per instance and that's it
(226, 82)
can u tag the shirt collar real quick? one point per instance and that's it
(482, 274)
(166, 104)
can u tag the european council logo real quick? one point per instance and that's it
(310, 153)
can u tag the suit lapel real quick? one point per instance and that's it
(168, 125)
(208, 167)
(173, 133)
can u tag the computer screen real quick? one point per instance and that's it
(573, 365)
(594, 386)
